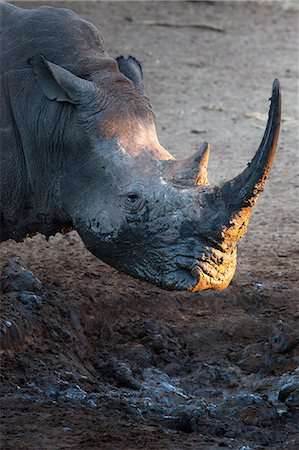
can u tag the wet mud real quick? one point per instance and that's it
(94, 359)
(100, 363)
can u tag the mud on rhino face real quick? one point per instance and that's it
(134, 205)
(159, 240)
(164, 223)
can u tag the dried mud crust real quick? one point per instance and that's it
(92, 358)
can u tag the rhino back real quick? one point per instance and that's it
(59, 34)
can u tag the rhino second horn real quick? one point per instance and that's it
(191, 171)
(243, 190)
(202, 160)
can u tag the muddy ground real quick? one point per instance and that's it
(94, 359)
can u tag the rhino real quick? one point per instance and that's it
(79, 150)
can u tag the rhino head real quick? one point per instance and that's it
(134, 205)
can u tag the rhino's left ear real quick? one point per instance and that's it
(132, 69)
(59, 84)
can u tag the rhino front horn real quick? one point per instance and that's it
(243, 190)
(191, 171)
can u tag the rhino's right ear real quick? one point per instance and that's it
(132, 69)
(57, 83)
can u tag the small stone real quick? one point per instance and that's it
(212, 107)
(252, 363)
(195, 131)
(18, 278)
(139, 353)
(173, 369)
(31, 299)
(284, 338)
(121, 373)
(92, 403)
(253, 410)
(289, 394)
(157, 343)
(287, 390)
(75, 393)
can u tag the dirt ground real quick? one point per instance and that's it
(94, 359)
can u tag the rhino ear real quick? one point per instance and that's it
(132, 69)
(57, 83)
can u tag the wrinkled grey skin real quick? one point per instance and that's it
(79, 150)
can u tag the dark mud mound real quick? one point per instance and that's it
(99, 360)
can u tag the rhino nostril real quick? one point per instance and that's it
(195, 272)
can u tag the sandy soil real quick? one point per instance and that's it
(94, 359)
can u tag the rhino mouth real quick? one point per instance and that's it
(188, 264)
(208, 268)
(213, 269)
(213, 276)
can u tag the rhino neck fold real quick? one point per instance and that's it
(38, 165)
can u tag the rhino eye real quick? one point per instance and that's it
(132, 197)
(134, 202)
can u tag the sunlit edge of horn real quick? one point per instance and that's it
(245, 187)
